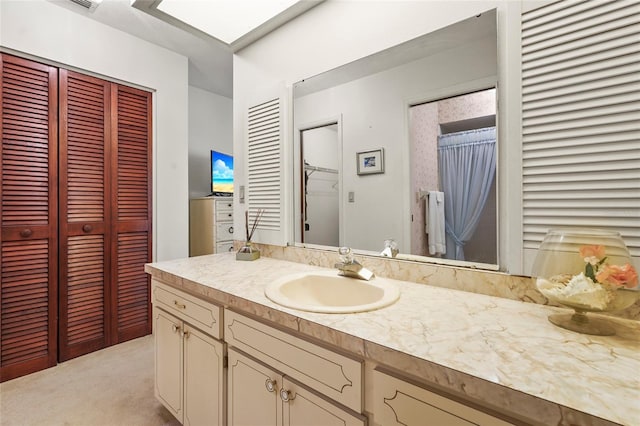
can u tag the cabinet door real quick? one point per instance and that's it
(168, 361)
(203, 379)
(84, 214)
(301, 407)
(253, 393)
(29, 216)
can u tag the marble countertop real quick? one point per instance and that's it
(502, 353)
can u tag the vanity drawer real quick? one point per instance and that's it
(327, 372)
(224, 231)
(397, 402)
(197, 312)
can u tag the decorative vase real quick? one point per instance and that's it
(248, 252)
(589, 270)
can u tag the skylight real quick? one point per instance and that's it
(226, 20)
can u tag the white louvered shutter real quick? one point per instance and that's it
(264, 169)
(581, 118)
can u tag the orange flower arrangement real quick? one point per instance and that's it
(603, 273)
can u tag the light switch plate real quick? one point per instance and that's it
(352, 196)
(241, 194)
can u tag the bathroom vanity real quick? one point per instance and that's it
(226, 354)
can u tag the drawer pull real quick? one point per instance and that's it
(270, 385)
(231, 249)
(179, 305)
(231, 229)
(285, 395)
(26, 233)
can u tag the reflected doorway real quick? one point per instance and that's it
(320, 197)
(448, 124)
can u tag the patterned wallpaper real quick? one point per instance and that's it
(424, 125)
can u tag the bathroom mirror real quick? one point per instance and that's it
(369, 149)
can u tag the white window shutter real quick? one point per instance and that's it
(581, 118)
(265, 169)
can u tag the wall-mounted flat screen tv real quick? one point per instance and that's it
(221, 174)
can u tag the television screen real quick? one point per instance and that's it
(221, 173)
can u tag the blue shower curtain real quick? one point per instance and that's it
(466, 166)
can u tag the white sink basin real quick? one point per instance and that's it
(329, 292)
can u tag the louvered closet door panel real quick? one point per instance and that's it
(581, 119)
(28, 212)
(84, 214)
(264, 164)
(131, 183)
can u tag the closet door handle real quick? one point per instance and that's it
(26, 233)
(87, 228)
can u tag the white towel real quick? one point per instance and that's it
(435, 222)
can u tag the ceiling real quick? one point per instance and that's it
(210, 61)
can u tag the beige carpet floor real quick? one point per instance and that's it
(113, 386)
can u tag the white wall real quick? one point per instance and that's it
(337, 32)
(210, 127)
(44, 30)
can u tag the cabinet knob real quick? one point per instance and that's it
(231, 249)
(185, 334)
(175, 328)
(87, 228)
(26, 233)
(231, 229)
(270, 385)
(285, 395)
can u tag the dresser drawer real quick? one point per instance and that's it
(224, 216)
(327, 372)
(197, 312)
(224, 231)
(224, 247)
(224, 205)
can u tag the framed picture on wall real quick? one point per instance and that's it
(370, 162)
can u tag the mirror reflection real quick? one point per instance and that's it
(399, 148)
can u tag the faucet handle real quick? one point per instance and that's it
(346, 255)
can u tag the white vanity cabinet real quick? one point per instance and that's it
(258, 395)
(189, 363)
(271, 374)
(397, 402)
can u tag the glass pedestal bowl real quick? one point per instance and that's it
(588, 270)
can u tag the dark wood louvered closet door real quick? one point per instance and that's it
(85, 224)
(131, 211)
(28, 194)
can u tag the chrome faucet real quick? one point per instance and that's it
(349, 267)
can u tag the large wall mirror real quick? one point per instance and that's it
(399, 148)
